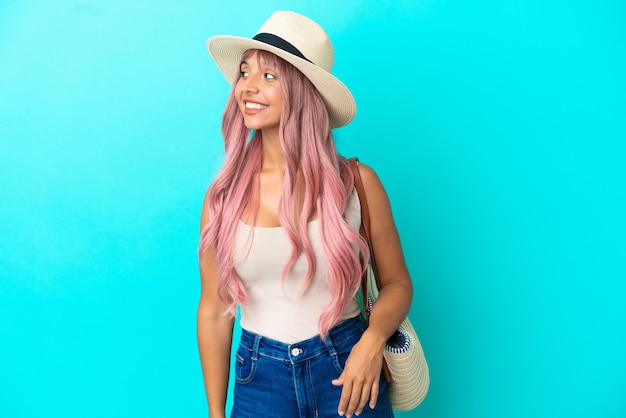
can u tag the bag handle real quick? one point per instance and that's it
(364, 230)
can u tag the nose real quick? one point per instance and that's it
(249, 84)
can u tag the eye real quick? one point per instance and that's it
(243, 73)
(270, 76)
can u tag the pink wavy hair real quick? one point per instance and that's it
(317, 180)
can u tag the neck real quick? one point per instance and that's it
(273, 156)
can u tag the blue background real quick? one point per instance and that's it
(498, 128)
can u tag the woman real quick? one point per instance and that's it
(280, 240)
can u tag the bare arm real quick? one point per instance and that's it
(396, 288)
(360, 378)
(215, 332)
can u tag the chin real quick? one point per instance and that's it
(253, 126)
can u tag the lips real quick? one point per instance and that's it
(253, 108)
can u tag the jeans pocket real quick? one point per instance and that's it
(245, 365)
(343, 350)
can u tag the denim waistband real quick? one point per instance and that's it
(302, 350)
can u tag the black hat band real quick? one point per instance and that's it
(278, 42)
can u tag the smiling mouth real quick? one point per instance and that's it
(255, 106)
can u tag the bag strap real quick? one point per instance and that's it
(365, 212)
(364, 230)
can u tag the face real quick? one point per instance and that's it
(258, 94)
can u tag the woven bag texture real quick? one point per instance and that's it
(407, 363)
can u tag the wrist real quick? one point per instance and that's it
(375, 337)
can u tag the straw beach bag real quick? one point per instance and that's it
(404, 363)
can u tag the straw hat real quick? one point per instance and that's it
(299, 41)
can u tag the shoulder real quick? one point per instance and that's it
(371, 181)
(377, 200)
(367, 173)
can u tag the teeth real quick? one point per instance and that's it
(255, 106)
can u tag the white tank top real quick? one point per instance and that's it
(276, 308)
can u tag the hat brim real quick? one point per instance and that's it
(227, 52)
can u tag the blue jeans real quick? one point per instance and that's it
(275, 379)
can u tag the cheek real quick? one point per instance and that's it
(238, 90)
(277, 97)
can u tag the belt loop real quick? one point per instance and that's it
(330, 345)
(255, 347)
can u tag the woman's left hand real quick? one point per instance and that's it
(361, 376)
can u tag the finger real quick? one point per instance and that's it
(365, 395)
(374, 394)
(338, 381)
(345, 398)
(355, 398)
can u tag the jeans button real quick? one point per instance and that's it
(296, 352)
